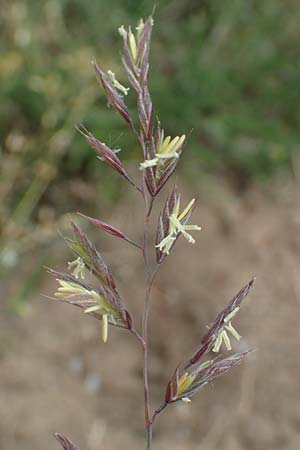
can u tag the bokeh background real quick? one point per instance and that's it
(228, 75)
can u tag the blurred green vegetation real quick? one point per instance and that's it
(228, 70)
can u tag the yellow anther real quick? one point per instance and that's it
(92, 309)
(187, 209)
(223, 336)
(166, 244)
(163, 145)
(168, 148)
(132, 45)
(231, 315)
(104, 327)
(148, 163)
(184, 383)
(95, 296)
(67, 288)
(116, 83)
(233, 331)
(186, 400)
(77, 266)
(226, 340)
(218, 343)
(175, 144)
(122, 31)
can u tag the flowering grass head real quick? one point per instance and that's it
(100, 299)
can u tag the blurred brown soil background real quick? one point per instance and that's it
(57, 375)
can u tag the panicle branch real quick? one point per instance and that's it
(107, 155)
(190, 377)
(102, 301)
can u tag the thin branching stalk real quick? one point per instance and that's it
(158, 411)
(148, 421)
(150, 279)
